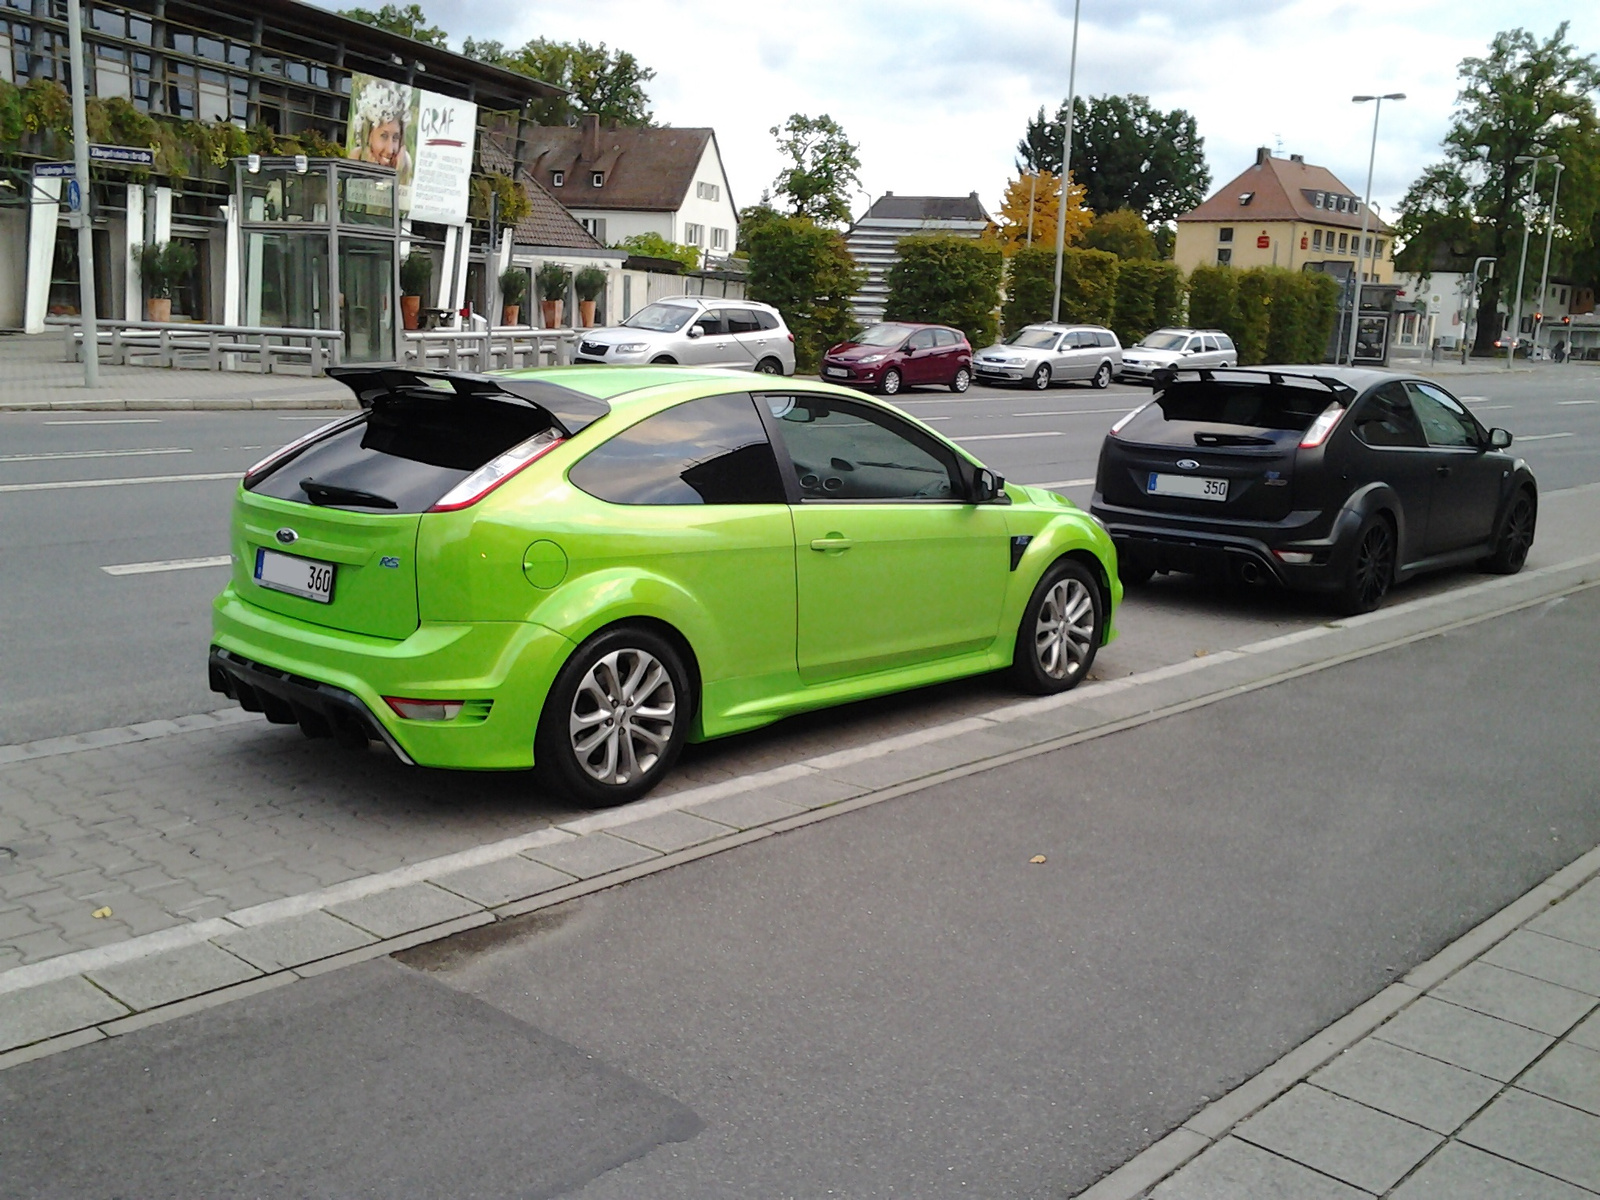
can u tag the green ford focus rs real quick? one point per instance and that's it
(580, 568)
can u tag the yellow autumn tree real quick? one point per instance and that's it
(1042, 192)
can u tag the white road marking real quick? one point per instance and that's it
(112, 421)
(1543, 437)
(321, 417)
(64, 484)
(1063, 483)
(1072, 412)
(1568, 402)
(42, 457)
(997, 437)
(1492, 407)
(168, 564)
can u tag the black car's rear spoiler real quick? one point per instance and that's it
(1164, 377)
(572, 410)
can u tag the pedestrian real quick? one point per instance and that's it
(1559, 352)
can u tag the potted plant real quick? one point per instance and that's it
(415, 271)
(552, 279)
(162, 265)
(589, 283)
(513, 290)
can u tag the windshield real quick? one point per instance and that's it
(1164, 341)
(1033, 339)
(882, 335)
(660, 318)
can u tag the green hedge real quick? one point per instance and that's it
(1272, 314)
(1088, 287)
(1149, 296)
(947, 280)
(807, 274)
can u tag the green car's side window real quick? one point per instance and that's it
(845, 451)
(709, 451)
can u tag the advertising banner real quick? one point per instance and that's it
(427, 138)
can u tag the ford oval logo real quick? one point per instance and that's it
(287, 536)
(1187, 464)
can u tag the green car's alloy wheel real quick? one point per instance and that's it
(616, 718)
(1061, 630)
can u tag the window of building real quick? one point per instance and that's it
(596, 227)
(1344, 242)
(558, 178)
(1245, 198)
(1224, 257)
(1316, 237)
(1320, 197)
(1225, 234)
(6, 72)
(719, 239)
(709, 451)
(1377, 248)
(111, 77)
(694, 235)
(708, 191)
(597, 178)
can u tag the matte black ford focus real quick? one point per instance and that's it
(1317, 478)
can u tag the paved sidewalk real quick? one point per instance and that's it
(34, 375)
(1476, 1077)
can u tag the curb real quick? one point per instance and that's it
(1215, 1121)
(159, 404)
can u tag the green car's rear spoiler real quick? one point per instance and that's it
(572, 410)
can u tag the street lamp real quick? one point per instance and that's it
(1366, 207)
(1533, 183)
(1066, 162)
(81, 218)
(1549, 235)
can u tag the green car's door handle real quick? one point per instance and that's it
(832, 542)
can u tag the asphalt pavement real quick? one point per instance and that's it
(900, 1000)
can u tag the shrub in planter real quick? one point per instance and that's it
(513, 291)
(416, 269)
(552, 280)
(588, 283)
(162, 265)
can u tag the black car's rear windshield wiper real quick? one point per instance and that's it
(332, 493)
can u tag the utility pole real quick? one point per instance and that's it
(1522, 269)
(1366, 208)
(1033, 187)
(80, 218)
(1066, 162)
(1549, 236)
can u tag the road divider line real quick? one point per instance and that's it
(1072, 412)
(55, 454)
(1064, 483)
(1565, 403)
(110, 421)
(1543, 437)
(1006, 437)
(168, 564)
(65, 484)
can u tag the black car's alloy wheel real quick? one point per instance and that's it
(1371, 568)
(891, 382)
(962, 380)
(1041, 378)
(1061, 630)
(1516, 537)
(615, 719)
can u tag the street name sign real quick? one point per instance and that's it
(54, 170)
(123, 156)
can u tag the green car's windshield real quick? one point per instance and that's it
(661, 318)
(1033, 339)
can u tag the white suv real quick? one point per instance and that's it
(696, 331)
(1168, 347)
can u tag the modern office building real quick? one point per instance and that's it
(874, 238)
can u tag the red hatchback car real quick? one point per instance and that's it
(900, 354)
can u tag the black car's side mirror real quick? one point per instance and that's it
(986, 486)
(1499, 439)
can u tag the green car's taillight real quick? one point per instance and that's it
(496, 471)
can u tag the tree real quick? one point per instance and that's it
(1149, 296)
(410, 22)
(1088, 287)
(1043, 190)
(1122, 232)
(822, 175)
(609, 83)
(1525, 97)
(946, 280)
(1126, 154)
(806, 273)
(752, 218)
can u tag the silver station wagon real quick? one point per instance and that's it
(1039, 355)
(1176, 347)
(696, 331)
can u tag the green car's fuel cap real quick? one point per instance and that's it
(545, 564)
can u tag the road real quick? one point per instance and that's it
(83, 649)
(896, 1001)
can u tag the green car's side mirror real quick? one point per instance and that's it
(986, 486)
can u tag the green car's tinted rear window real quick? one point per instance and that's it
(412, 449)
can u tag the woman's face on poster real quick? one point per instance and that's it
(384, 142)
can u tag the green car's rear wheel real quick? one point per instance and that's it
(616, 718)
(1061, 630)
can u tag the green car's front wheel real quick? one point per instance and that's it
(1061, 629)
(616, 718)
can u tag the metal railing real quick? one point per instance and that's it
(488, 349)
(209, 347)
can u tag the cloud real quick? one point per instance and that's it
(937, 92)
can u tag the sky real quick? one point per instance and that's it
(936, 93)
